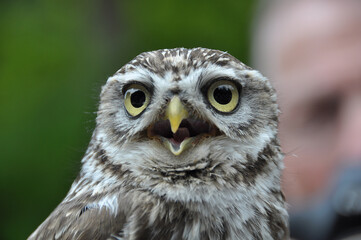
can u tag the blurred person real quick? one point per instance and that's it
(311, 50)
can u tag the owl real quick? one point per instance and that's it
(185, 147)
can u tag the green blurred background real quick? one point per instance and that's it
(54, 57)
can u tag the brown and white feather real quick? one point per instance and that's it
(225, 187)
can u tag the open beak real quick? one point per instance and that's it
(177, 131)
(175, 113)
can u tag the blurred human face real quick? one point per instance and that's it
(318, 78)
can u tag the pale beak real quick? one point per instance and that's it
(175, 113)
(175, 138)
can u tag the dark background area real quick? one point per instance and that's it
(55, 56)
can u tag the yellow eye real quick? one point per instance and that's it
(223, 95)
(136, 99)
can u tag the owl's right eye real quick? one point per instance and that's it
(136, 99)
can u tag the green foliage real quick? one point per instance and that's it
(54, 56)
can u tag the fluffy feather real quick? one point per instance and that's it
(225, 187)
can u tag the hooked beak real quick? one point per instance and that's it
(177, 132)
(175, 113)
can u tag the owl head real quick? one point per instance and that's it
(179, 107)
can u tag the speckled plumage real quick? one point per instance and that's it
(226, 186)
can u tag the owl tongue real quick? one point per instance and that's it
(181, 134)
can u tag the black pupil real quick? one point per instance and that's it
(137, 98)
(223, 94)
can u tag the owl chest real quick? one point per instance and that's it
(172, 220)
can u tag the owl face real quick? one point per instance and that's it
(179, 105)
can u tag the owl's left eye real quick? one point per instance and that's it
(136, 99)
(223, 95)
